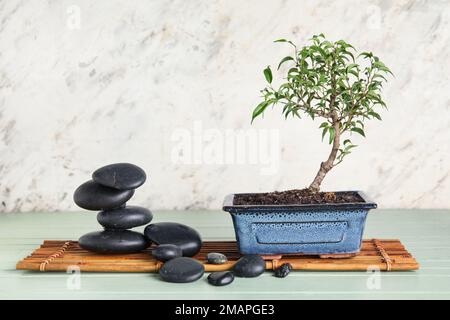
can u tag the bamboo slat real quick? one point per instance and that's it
(55, 255)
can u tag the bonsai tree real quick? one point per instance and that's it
(329, 81)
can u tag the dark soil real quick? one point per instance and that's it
(298, 196)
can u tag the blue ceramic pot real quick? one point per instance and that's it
(313, 229)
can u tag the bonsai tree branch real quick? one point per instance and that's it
(327, 165)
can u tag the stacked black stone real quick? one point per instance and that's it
(109, 190)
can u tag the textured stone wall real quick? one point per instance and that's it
(170, 86)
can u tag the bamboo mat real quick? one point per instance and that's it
(53, 255)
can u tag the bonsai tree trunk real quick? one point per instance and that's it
(329, 163)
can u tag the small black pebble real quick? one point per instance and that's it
(283, 270)
(166, 252)
(181, 270)
(249, 266)
(216, 258)
(220, 278)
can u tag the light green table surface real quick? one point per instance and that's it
(425, 233)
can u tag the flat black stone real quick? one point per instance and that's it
(93, 196)
(220, 278)
(124, 218)
(216, 258)
(182, 270)
(283, 270)
(249, 266)
(185, 237)
(114, 241)
(122, 176)
(166, 252)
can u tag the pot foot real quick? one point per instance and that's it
(271, 256)
(337, 255)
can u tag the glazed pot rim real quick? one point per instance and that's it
(228, 204)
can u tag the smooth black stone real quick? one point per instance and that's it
(283, 270)
(166, 252)
(220, 278)
(183, 236)
(216, 258)
(181, 270)
(114, 241)
(249, 266)
(93, 196)
(122, 176)
(124, 218)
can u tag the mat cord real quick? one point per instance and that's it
(383, 253)
(55, 255)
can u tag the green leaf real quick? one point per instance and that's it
(353, 72)
(379, 76)
(347, 148)
(320, 50)
(374, 114)
(324, 132)
(268, 74)
(326, 44)
(366, 54)
(323, 125)
(259, 109)
(378, 63)
(285, 40)
(348, 53)
(332, 134)
(295, 112)
(358, 130)
(386, 69)
(288, 58)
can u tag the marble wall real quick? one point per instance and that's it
(170, 86)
